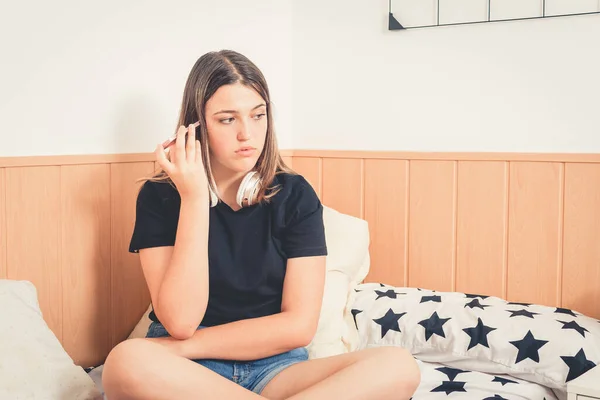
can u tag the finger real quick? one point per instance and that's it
(180, 143)
(171, 151)
(161, 158)
(198, 157)
(190, 146)
(169, 141)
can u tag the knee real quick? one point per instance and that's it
(402, 369)
(123, 370)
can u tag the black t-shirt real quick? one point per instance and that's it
(247, 249)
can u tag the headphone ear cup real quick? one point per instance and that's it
(214, 199)
(246, 195)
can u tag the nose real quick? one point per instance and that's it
(243, 133)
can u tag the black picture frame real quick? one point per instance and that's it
(395, 25)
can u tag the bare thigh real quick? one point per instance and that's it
(139, 369)
(304, 375)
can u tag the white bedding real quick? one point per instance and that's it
(96, 375)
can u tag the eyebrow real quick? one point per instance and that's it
(235, 112)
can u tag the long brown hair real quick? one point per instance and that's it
(209, 73)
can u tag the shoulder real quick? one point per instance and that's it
(294, 188)
(157, 193)
(296, 198)
(299, 213)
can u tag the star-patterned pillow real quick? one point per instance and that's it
(439, 381)
(546, 345)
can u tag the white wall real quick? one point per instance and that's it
(515, 86)
(107, 76)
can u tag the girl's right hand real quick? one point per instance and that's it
(185, 168)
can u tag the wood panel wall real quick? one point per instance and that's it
(65, 228)
(65, 225)
(524, 227)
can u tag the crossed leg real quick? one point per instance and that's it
(139, 369)
(376, 373)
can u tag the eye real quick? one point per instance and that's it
(226, 120)
(259, 116)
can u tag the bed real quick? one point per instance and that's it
(472, 346)
(471, 261)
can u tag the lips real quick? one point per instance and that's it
(245, 151)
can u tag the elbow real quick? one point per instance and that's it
(301, 328)
(180, 331)
(304, 335)
(304, 341)
(180, 325)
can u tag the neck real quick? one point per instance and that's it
(227, 185)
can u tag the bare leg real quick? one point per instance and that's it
(139, 369)
(377, 373)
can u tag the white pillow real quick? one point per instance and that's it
(348, 264)
(33, 364)
(546, 345)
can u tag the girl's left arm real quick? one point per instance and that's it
(255, 338)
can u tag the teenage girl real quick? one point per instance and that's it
(232, 246)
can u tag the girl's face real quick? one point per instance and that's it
(236, 119)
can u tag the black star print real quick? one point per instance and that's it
(503, 381)
(451, 373)
(575, 326)
(578, 365)
(389, 322)
(474, 296)
(521, 304)
(390, 293)
(528, 348)
(434, 298)
(496, 397)
(522, 313)
(450, 386)
(382, 285)
(475, 303)
(565, 311)
(478, 334)
(355, 312)
(433, 325)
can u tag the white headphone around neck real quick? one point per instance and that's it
(247, 192)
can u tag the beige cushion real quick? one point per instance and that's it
(347, 265)
(33, 364)
(142, 326)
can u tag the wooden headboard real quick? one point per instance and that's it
(524, 227)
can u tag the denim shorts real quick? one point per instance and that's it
(253, 375)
